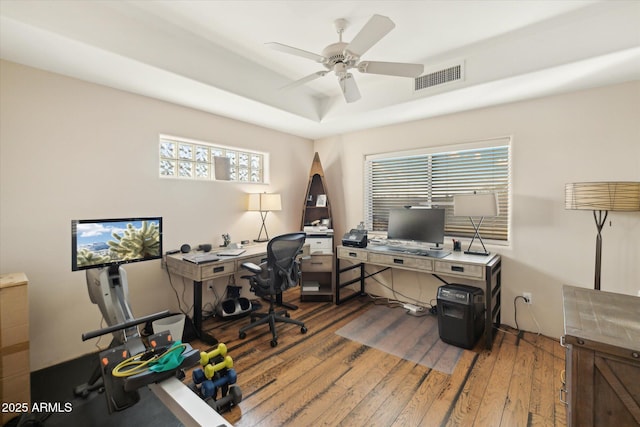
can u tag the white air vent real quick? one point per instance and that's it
(445, 75)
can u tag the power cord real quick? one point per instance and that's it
(186, 313)
(429, 305)
(515, 312)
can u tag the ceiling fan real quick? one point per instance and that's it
(341, 57)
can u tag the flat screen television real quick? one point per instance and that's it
(109, 242)
(417, 224)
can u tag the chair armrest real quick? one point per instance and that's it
(256, 269)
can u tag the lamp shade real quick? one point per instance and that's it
(603, 196)
(481, 204)
(264, 202)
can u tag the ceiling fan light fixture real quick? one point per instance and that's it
(341, 70)
(340, 57)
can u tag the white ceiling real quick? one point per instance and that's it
(211, 55)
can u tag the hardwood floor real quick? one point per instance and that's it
(320, 378)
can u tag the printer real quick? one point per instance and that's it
(356, 238)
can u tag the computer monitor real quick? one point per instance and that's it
(416, 224)
(99, 243)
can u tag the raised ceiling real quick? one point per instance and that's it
(211, 55)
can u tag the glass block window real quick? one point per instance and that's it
(187, 159)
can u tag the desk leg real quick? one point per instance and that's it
(493, 283)
(340, 285)
(197, 315)
(488, 323)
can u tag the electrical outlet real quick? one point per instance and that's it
(528, 299)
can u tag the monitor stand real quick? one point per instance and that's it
(436, 248)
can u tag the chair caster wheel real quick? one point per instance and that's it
(303, 329)
(274, 343)
(243, 335)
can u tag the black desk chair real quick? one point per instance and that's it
(279, 273)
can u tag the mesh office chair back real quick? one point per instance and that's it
(281, 260)
(280, 273)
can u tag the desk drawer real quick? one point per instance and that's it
(460, 269)
(356, 254)
(217, 269)
(399, 261)
(317, 263)
(323, 245)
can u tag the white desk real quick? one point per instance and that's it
(485, 271)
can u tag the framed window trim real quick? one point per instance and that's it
(495, 231)
(190, 159)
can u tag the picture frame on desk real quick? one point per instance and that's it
(321, 201)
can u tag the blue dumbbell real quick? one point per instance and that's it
(210, 387)
(207, 389)
(198, 376)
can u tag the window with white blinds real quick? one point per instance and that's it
(433, 177)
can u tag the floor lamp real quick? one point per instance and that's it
(602, 197)
(264, 203)
(476, 205)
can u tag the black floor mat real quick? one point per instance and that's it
(52, 388)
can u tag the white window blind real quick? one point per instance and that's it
(395, 180)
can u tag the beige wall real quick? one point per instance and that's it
(583, 136)
(72, 150)
(75, 150)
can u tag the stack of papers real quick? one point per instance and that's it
(310, 286)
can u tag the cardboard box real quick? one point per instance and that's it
(15, 380)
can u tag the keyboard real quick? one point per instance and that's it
(200, 258)
(420, 252)
(231, 252)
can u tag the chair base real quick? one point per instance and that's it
(271, 318)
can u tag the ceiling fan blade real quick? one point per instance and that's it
(375, 29)
(295, 51)
(349, 88)
(391, 68)
(304, 80)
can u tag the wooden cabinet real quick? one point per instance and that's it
(15, 384)
(602, 372)
(317, 269)
(316, 207)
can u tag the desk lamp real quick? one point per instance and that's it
(476, 205)
(602, 197)
(264, 203)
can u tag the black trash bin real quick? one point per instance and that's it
(460, 314)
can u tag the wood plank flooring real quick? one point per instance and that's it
(320, 378)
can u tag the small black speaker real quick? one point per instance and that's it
(205, 247)
(185, 249)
